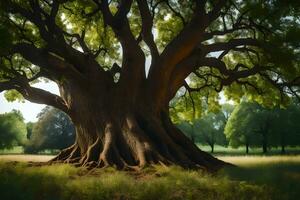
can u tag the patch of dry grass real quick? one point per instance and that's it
(26, 158)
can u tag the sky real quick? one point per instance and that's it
(28, 109)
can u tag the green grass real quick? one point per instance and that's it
(281, 173)
(221, 150)
(20, 150)
(15, 150)
(256, 178)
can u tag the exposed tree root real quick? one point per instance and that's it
(136, 144)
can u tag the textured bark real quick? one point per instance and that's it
(212, 148)
(282, 149)
(127, 133)
(264, 143)
(282, 144)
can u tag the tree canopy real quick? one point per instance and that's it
(238, 46)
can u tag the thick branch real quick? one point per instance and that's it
(35, 95)
(40, 96)
(231, 44)
(147, 24)
(42, 58)
(133, 69)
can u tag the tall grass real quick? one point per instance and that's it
(20, 181)
(256, 178)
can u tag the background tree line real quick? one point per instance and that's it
(53, 131)
(247, 124)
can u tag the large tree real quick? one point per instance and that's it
(119, 63)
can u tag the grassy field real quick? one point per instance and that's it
(257, 177)
(219, 151)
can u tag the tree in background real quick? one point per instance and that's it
(96, 50)
(240, 129)
(254, 125)
(188, 128)
(53, 131)
(209, 128)
(12, 129)
(286, 127)
(29, 128)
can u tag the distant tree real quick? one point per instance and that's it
(208, 129)
(286, 127)
(12, 129)
(254, 125)
(29, 127)
(188, 129)
(241, 127)
(211, 130)
(54, 130)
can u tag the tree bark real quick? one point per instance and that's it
(114, 130)
(265, 139)
(265, 146)
(212, 148)
(282, 144)
(282, 149)
(247, 148)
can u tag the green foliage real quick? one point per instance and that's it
(29, 128)
(252, 124)
(13, 95)
(12, 130)
(286, 128)
(240, 128)
(209, 128)
(54, 130)
(5, 39)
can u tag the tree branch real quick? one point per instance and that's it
(231, 44)
(147, 24)
(35, 95)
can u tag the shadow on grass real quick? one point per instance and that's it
(283, 177)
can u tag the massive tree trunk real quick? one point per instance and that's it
(126, 130)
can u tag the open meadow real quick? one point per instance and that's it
(256, 177)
